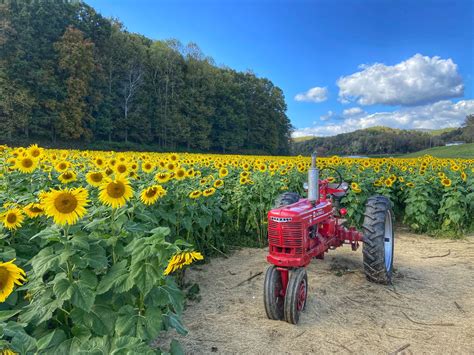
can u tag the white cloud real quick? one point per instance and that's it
(432, 116)
(415, 81)
(327, 116)
(316, 94)
(353, 111)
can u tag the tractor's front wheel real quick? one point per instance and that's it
(273, 294)
(296, 294)
(378, 240)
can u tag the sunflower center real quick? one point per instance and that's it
(116, 189)
(35, 153)
(180, 173)
(65, 202)
(151, 192)
(4, 275)
(62, 166)
(27, 163)
(96, 177)
(122, 168)
(147, 166)
(67, 176)
(11, 218)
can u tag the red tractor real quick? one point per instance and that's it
(300, 229)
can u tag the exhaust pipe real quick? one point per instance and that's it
(313, 180)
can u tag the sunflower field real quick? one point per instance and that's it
(93, 244)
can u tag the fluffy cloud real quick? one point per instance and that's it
(316, 94)
(327, 116)
(415, 81)
(354, 111)
(432, 116)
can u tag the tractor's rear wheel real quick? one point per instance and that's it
(378, 240)
(286, 199)
(273, 293)
(296, 294)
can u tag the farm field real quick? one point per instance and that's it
(93, 243)
(429, 308)
(457, 151)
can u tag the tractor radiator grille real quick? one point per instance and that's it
(286, 237)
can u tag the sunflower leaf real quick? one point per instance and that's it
(82, 296)
(5, 315)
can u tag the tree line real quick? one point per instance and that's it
(383, 141)
(67, 74)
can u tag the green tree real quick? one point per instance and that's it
(77, 63)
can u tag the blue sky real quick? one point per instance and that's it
(424, 50)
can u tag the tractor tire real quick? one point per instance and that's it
(296, 294)
(286, 199)
(378, 240)
(272, 294)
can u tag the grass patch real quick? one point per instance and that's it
(455, 151)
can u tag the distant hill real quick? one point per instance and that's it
(301, 139)
(380, 140)
(455, 151)
(435, 132)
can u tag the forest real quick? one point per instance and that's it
(69, 76)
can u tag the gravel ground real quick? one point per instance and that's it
(428, 310)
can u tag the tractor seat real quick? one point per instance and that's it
(340, 194)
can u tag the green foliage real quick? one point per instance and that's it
(89, 293)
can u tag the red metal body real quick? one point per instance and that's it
(302, 231)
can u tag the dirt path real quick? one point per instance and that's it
(430, 308)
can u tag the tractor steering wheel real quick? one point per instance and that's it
(339, 175)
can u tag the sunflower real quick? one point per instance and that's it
(94, 178)
(174, 157)
(7, 352)
(35, 151)
(99, 162)
(177, 261)
(388, 182)
(13, 218)
(67, 177)
(121, 168)
(209, 192)
(180, 174)
(244, 174)
(463, 176)
(10, 275)
(162, 177)
(116, 192)
(65, 206)
(33, 210)
(410, 184)
(62, 166)
(218, 183)
(148, 167)
(223, 172)
(446, 182)
(151, 194)
(171, 166)
(355, 187)
(26, 164)
(195, 194)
